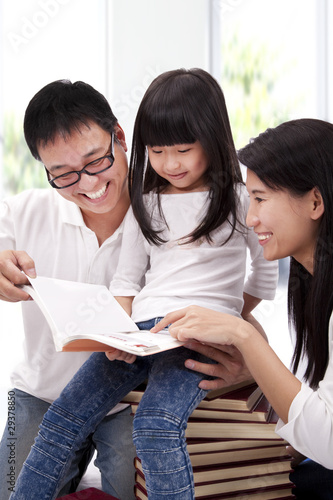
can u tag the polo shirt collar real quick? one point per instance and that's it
(70, 212)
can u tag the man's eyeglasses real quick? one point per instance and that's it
(93, 168)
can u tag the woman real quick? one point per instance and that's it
(290, 184)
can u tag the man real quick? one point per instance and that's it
(72, 232)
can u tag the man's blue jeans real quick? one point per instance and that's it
(112, 439)
(159, 425)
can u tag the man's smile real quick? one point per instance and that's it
(97, 194)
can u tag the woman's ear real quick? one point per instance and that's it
(317, 204)
(120, 136)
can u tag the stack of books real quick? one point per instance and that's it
(233, 447)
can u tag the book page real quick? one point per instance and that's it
(141, 343)
(80, 308)
(86, 317)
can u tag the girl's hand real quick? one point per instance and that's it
(297, 457)
(204, 325)
(230, 367)
(117, 354)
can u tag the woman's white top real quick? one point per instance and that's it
(310, 421)
(177, 275)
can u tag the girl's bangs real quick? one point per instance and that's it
(166, 127)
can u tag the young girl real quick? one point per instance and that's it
(290, 183)
(189, 202)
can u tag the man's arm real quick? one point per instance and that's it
(12, 262)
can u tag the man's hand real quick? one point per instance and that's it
(230, 368)
(12, 262)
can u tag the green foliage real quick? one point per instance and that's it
(253, 81)
(20, 170)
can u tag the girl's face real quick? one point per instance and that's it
(285, 225)
(184, 166)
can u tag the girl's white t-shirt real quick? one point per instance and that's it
(201, 273)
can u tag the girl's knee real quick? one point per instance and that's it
(157, 430)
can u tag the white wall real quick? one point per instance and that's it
(147, 37)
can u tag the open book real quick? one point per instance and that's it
(86, 317)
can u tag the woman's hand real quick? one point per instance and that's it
(204, 325)
(276, 381)
(207, 331)
(229, 369)
(117, 354)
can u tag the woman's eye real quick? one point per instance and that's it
(183, 150)
(156, 151)
(259, 200)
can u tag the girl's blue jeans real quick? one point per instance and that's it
(171, 395)
(112, 439)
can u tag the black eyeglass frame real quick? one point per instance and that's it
(83, 170)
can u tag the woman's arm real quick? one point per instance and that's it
(204, 325)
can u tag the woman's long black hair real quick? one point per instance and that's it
(298, 156)
(182, 107)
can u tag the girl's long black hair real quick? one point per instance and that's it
(298, 156)
(182, 107)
